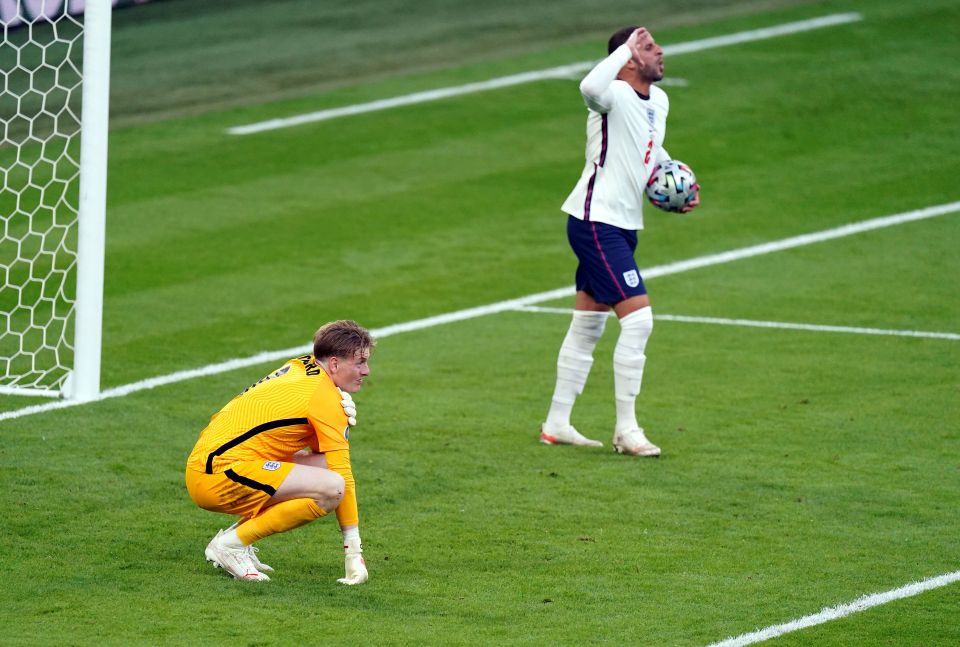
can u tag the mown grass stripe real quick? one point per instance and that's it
(561, 72)
(503, 306)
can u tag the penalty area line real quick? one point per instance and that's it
(503, 306)
(562, 72)
(786, 325)
(841, 611)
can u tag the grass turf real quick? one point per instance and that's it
(801, 469)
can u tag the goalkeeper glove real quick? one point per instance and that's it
(356, 568)
(349, 407)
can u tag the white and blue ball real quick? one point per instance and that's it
(672, 186)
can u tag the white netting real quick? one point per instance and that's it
(40, 92)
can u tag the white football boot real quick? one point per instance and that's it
(635, 443)
(565, 436)
(252, 554)
(235, 561)
(208, 551)
(251, 550)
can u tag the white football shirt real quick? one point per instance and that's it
(624, 142)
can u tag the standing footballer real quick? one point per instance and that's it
(626, 124)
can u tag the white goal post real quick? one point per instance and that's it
(54, 98)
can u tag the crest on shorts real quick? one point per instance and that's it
(271, 466)
(631, 278)
(346, 433)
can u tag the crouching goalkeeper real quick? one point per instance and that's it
(278, 455)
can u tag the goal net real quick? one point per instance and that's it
(54, 71)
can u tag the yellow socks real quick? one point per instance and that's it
(279, 518)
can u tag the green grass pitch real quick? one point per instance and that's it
(801, 469)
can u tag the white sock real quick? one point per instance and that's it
(628, 361)
(231, 539)
(573, 364)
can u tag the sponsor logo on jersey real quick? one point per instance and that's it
(651, 115)
(271, 466)
(631, 278)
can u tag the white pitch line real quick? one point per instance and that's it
(856, 330)
(841, 611)
(786, 325)
(803, 240)
(278, 355)
(562, 72)
(502, 306)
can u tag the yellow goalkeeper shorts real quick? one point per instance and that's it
(241, 489)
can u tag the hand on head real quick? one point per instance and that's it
(638, 39)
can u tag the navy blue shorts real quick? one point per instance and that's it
(607, 270)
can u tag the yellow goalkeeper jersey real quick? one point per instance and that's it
(295, 407)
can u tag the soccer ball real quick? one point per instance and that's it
(672, 186)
